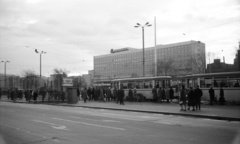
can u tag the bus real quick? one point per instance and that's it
(143, 85)
(229, 81)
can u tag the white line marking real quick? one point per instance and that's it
(95, 119)
(7, 110)
(88, 124)
(56, 126)
(24, 131)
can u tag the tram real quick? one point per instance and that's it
(143, 85)
(229, 81)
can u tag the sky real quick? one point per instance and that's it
(72, 32)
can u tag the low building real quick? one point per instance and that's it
(218, 66)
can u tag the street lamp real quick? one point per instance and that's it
(42, 52)
(142, 26)
(5, 76)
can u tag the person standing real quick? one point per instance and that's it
(78, 94)
(35, 95)
(121, 96)
(198, 93)
(183, 99)
(160, 94)
(108, 94)
(154, 93)
(43, 95)
(89, 93)
(84, 94)
(171, 93)
(135, 94)
(222, 98)
(167, 94)
(130, 94)
(191, 99)
(211, 94)
(0, 93)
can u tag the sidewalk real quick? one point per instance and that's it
(218, 112)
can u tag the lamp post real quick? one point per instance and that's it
(142, 26)
(5, 76)
(42, 52)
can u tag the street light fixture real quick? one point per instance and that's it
(142, 26)
(42, 52)
(5, 75)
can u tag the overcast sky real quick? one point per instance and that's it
(73, 31)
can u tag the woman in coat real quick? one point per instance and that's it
(183, 99)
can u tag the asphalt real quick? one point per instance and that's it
(216, 112)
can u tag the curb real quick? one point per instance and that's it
(214, 117)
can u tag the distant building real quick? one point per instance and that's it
(86, 80)
(172, 59)
(218, 66)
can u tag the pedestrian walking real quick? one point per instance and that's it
(198, 93)
(211, 94)
(183, 99)
(222, 98)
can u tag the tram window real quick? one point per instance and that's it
(208, 83)
(202, 83)
(221, 82)
(233, 82)
(147, 85)
(125, 85)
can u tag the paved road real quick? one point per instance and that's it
(36, 123)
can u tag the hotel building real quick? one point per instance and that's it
(172, 59)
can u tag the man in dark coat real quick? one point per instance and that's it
(35, 95)
(222, 98)
(191, 99)
(171, 93)
(211, 94)
(198, 93)
(130, 94)
(121, 96)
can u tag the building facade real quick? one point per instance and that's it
(172, 59)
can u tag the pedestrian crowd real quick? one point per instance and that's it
(102, 94)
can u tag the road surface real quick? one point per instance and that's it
(47, 124)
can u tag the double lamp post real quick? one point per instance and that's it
(5, 74)
(142, 26)
(42, 52)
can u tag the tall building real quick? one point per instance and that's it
(172, 59)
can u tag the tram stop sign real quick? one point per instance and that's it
(67, 82)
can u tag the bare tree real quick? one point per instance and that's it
(30, 79)
(164, 67)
